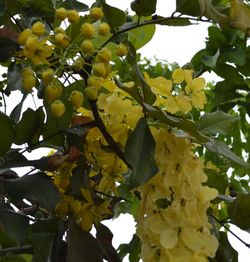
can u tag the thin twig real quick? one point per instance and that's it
(27, 249)
(228, 229)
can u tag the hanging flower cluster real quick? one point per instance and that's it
(172, 221)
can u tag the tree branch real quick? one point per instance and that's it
(99, 123)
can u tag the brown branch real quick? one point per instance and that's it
(99, 123)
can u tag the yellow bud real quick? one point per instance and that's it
(100, 69)
(104, 55)
(96, 13)
(57, 108)
(87, 30)
(61, 40)
(91, 92)
(103, 29)
(121, 50)
(61, 13)
(76, 99)
(23, 36)
(94, 81)
(52, 92)
(38, 28)
(29, 82)
(87, 46)
(47, 75)
(73, 16)
(78, 64)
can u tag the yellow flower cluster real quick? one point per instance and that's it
(172, 220)
(173, 100)
(87, 211)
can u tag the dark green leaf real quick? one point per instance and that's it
(144, 7)
(139, 153)
(229, 73)
(133, 248)
(210, 61)
(174, 21)
(239, 211)
(73, 4)
(82, 246)
(16, 112)
(14, 224)
(236, 55)
(217, 180)
(225, 252)
(141, 36)
(7, 133)
(105, 236)
(28, 126)
(221, 148)
(14, 77)
(188, 7)
(37, 186)
(114, 16)
(42, 8)
(5, 240)
(13, 258)
(147, 95)
(217, 122)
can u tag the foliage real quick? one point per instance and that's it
(126, 135)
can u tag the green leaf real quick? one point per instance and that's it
(210, 61)
(14, 224)
(73, 4)
(144, 7)
(221, 148)
(236, 55)
(229, 73)
(13, 258)
(16, 112)
(139, 153)
(114, 16)
(239, 211)
(7, 133)
(217, 122)
(82, 246)
(225, 251)
(133, 248)
(141, 36)
(217, 180)
(14, 77)
(188, 7)
(174, 21)
(28, 126)
(147, 95)
(37, 186)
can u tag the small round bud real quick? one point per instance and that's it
(23, 36)
(76, 99)
(91, 92)
(96, 13)
(61, 40)
(103, 29)
(52, 92)
(61, 13)
(88, 30)
(87, 46)
(29, 80)
(38, 28)
(78, 64)
(73, 16)
(100, 69)
(121, 50)
(104, 55)
(57, 108)
(47, 76)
